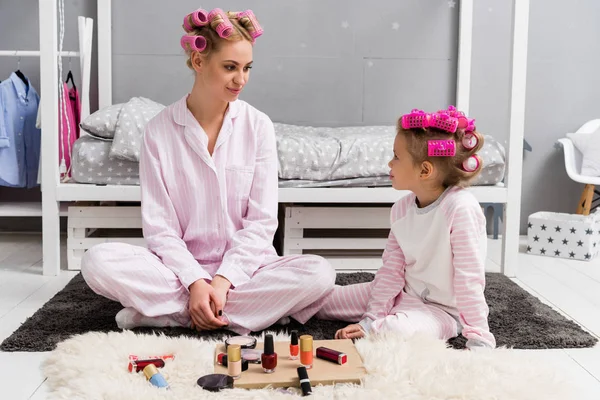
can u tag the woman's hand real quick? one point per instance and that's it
(352, 331)
(202, 298)
(221, 286)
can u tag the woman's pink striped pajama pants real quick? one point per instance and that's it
(294, 286)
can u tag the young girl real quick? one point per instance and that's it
(432, 279)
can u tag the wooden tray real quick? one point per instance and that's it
(286, 375)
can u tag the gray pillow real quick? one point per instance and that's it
(494, 162)
(102, 123)
(131, 123)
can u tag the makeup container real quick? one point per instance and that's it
(245, 342)
(139, 365)
(335, 356)
(155, 377)
(269, 357)
(294, 349)
(215, 382)
(306, 351)
(248, 355)
(234, 361)
(253, 356)
(304, 381)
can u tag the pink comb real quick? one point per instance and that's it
(225, 28)
(195, 19)
(258, 30)
(441, 148)
(194, 43)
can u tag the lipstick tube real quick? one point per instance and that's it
(306, 351)
(304, 381)
(335, 356)
(155, 377)
(139, 365)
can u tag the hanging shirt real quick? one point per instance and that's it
(19, 138)
(204, 215)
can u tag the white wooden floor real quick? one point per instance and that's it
(571, 287)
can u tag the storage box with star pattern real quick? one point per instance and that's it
(572, 236)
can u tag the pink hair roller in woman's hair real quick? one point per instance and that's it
(225, 28)
(469, 141)
(194, 43)
(197, 18)
(471, 164)
(258, 30)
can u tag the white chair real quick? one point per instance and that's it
(573, 161)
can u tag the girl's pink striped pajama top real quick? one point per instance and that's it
(433, 274)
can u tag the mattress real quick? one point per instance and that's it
(318, 157)
(357, 162)
(92, 164)
(370, 181)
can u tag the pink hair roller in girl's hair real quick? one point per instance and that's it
(198, 18)
(416, 119)
(225, 28)
(469, 141)
(194, 43)
(441, 148)
(444, 122)
(258, 30)
(471, 164)
(420, 119)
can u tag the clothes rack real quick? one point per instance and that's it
(34, 53)
(49, 209)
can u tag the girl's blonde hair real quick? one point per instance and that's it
(450, 167)
(243, 29)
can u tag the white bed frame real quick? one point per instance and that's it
(54, 192)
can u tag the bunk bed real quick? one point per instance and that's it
(303, 207)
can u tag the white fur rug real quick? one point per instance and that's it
(93, 366)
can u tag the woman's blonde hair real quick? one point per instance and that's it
(243, 28)
(450, 167)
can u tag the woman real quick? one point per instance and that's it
(208, 176)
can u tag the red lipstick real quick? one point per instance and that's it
(139, 365)
(335, 356)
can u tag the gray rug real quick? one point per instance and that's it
(517, 319)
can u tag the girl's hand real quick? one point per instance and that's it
(353, 331)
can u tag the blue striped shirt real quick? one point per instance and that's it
(19, 138)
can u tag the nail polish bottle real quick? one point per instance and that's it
(306, 351)
(269, 357)
(234, 361)
(294, 349)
